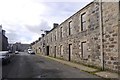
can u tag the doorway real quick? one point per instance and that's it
(84, 50)
(55, 52)
(70, 52)
(47, 50)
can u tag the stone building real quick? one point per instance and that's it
(36, 46)
(89, 36)
(19, 47)
(3, 40)
(0, 38)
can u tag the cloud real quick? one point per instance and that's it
(16, 32)
(57, 12)
(66, 0)
(12, 37)
(23, 20)
(20, 11)
(43, 25)
(19, 36)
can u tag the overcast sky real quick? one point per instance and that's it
(23, 20)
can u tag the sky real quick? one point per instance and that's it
(23, 20)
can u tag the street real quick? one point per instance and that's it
(24, 65)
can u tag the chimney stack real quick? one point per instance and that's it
(47, 32)
(3, 32)
(39, 38)
(55, 25)
(43, 35)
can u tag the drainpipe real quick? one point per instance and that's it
(119, 37)
(101, 34)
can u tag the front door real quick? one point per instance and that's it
(70, 51)
(47, 50)
(55, 52)
(84, 50)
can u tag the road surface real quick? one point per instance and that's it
(24, 65)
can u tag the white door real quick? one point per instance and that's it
(85, 53)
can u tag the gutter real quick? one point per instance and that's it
(101, 34)
(119, 37)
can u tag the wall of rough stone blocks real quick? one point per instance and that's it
(119, 40)
(110, 34)
(91, 35)
(36, 47)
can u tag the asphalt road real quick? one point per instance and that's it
(24, 65)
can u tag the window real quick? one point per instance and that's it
(70, 27)
(61, 32)
(51, 37)
(83, 22)
(47, 39)
(61, 50)
(55, 35)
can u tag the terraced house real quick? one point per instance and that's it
(3, 40)
(89, 36)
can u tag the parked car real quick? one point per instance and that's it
(30, 51)
(33, 52)
(16, 52)
(10, 51)
(4, 56)
(11, 54)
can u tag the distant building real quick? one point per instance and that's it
(18, 47)
(3, 40)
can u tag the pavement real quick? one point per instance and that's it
(103, 74)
